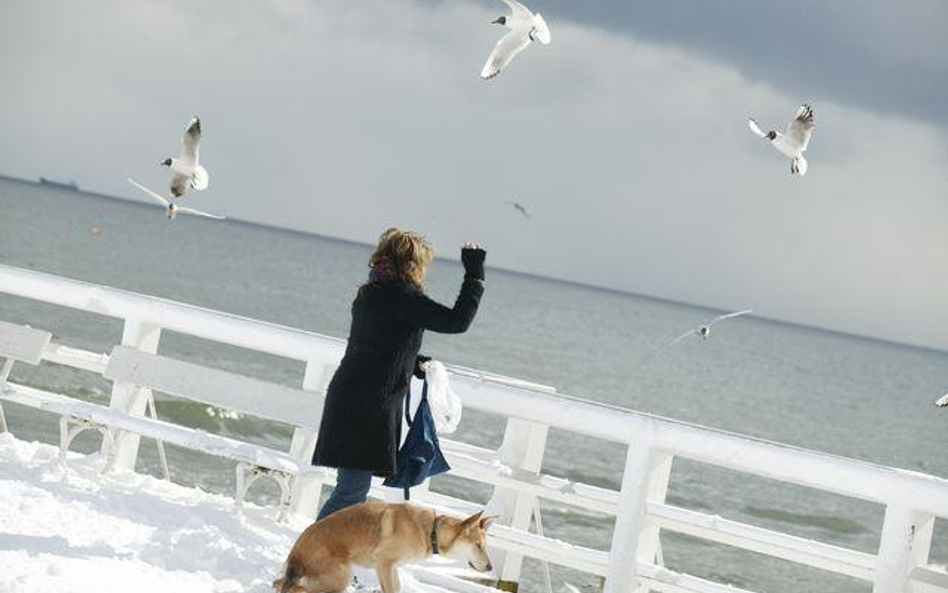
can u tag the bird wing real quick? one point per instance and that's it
(163, 201)
(541, 31)
(190, 143)
(200, 213)
(729, 316)
(688, 333)
(755, 127)
(200, 179)
(943, 401)
(801, 128)
(509, 45)
(519, 207)
(518, 10)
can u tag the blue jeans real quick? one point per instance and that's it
(352, 487)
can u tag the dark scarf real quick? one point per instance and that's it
(381, 272)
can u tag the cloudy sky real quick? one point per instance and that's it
(626, 137)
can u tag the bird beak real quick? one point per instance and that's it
(496, 22)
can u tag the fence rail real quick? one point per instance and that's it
(911, 500)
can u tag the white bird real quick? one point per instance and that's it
(187, 168)
(794, 141)
(171, 209)
(942, 401)
(525, 27)
(704, 331)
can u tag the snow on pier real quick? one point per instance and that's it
(83, 532)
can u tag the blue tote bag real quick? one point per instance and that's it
(420, 455)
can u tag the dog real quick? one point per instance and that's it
(381, 536)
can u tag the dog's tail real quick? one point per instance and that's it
(291, 578)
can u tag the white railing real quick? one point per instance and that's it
(911, 500)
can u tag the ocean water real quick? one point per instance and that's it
(846, 395)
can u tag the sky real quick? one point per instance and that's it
(626, 138)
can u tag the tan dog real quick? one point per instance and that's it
(381, 536)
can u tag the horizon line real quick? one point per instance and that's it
(63, 186)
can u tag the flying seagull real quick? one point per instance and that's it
(171, 209)
(519, 207)
(525, 27)
(942, 401)
(187, 168)
(704, 331)
(794, 141)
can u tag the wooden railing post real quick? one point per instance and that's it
(641, 464)
(650, 546)
(306, 492)
(130, 398)
(905, 544)
(522, 448)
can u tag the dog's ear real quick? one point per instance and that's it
(485, 522)
(472, 520)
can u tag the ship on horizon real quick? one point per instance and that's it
(70, 185)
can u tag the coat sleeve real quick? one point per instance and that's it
(421, 311)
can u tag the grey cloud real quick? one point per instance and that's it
(882, 55)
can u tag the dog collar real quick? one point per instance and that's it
(433, 537)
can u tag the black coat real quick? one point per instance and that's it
(362, 418)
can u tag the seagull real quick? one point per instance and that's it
(186, 168)
(519, 207)
(942, 401)
(525, 27)
(704, 331)
(171, 209)
(794, 141)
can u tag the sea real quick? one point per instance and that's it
(852, 396)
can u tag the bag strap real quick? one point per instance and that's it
(424, 396)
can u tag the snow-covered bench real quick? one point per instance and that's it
(18, 343)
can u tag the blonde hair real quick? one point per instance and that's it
(406, 254)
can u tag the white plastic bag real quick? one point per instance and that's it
(445, 406)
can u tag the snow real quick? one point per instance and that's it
(81, 532)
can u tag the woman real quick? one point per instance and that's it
(361, 426)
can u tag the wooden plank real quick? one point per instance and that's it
(181, 436)
(22, 343)
(927, 580)
(484, 465)
(215, 387)
(76, 358)
(659, 578)
(764, 541)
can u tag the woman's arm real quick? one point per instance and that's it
(424, 312)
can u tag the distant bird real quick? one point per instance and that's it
(794, 141)
(171, 209)
(525, 27)
(187, 168)
(704, 331)
(942, 401)
(95, 230)
(519, 207)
